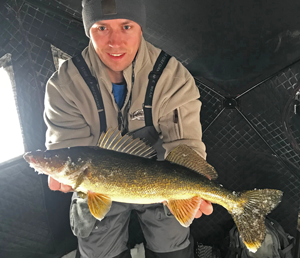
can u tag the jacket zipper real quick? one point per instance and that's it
(120, 120)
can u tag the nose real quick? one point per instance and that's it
(115, 39)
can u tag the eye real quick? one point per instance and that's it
(127, 27)
(102, 28)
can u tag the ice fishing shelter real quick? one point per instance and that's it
(245, 57)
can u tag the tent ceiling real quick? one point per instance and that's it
(232, 44)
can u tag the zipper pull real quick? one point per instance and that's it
(175, 118)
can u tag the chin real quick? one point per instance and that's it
(118, 68)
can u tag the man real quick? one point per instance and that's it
(121, 61)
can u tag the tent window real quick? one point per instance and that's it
(11, 138)
(58, 56)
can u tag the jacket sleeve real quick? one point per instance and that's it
(66, 127)
(179, 120)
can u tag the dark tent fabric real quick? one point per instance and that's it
(245, 57)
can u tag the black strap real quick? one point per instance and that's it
(92, 83)
(154, 76)
(77, 253)
(289, 247)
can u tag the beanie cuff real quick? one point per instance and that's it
(133, 10)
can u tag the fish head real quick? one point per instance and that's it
(64, 165)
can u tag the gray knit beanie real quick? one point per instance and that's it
(97, 10)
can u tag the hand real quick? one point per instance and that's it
(205, 208)
(57, 186)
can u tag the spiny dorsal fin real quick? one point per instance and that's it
(113, 140)
(187, 157)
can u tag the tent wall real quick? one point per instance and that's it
(248, 145)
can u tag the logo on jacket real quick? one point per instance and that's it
(137, 115)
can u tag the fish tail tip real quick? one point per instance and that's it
(253, 247)
(250, 216)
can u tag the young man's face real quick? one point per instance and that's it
(116, 42)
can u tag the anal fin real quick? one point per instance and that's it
(185, 210)
(99, 204)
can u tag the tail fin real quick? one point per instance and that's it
(250, 220)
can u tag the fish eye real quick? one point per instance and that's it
(47, 155)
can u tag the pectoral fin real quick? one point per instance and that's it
(99, 204)
(185, 210)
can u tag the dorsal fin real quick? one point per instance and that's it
(113, 140)
(187, 157)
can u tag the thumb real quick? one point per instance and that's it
(53, 184)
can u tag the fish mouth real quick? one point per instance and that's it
(29, 158)
(33, 163)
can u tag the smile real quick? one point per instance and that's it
(116, 56)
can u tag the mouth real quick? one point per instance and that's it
(32, 162)
(29, 158)
(116, 56)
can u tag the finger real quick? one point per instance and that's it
(198, 214)
(206, 207)
(53, 184)
(66, 188)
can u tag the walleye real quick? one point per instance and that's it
(107, 173)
